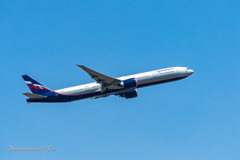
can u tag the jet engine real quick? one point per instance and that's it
(130, 94)
(129, 83)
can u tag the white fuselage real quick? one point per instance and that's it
(143, 79)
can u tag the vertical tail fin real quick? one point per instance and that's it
(35, 86)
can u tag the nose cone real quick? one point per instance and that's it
(190, 71)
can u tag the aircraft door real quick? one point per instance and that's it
(86, 88)
(177, 70)
(154, 74)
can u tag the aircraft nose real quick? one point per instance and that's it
(190, 71)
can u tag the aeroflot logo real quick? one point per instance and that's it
(36, 85)
(164, 70)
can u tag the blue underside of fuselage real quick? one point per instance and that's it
(69, 98)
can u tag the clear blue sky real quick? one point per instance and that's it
(195, 118)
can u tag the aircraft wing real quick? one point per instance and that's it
(102, 79)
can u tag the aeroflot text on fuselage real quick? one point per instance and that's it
(104, 86)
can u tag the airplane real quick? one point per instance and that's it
(104, 86)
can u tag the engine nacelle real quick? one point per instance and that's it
(130, 94)
(129, 83)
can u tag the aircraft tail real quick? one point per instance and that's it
(34, 96)
(35, 86)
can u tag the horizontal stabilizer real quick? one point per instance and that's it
(33, 96)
